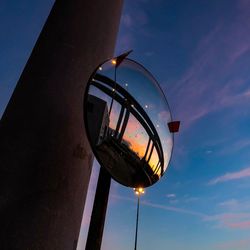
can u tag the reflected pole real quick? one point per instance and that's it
(138, 192)
(116, 62)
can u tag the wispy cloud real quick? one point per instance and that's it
(230, 204)
(171, 195)
(214, 80)
(226, 217)
(239, 225)
(232, 245)
(163, 207)
(235, 216)
(127, 20)
(174, 209)
(244, 173)
(236, 146)
(133, 22)
(230, 220)
(239, 221)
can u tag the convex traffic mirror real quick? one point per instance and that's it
(126, 118)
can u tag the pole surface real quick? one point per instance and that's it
(94, 239)
(137, 219)
(45, 159)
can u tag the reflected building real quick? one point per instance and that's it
(98, 119)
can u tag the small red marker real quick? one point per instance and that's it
(174, 126)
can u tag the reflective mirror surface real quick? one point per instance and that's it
(126, 118)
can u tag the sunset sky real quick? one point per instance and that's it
(199, 51)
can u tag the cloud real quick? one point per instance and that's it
(125, 42)
(239, 225)
(239, 221)
(174, 209)
(244, 173)
(243, 4)
(216, 78)
(230, 204)
(235, 215)
(229, 220)
(209, 152)
(171, 195)
(163, 207)
(235, 205)
(133, 24)
(236, 146)
(126, 20)
(236, 244)
(226, 217)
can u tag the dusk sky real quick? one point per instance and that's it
(199, 51)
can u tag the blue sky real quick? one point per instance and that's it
(200, 53)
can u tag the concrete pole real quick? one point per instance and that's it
(45, 159)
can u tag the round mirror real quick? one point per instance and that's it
(126, 117)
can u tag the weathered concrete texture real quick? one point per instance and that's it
(45, 159)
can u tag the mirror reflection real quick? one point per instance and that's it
(126, 118)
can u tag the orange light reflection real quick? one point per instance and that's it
(135, 135)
